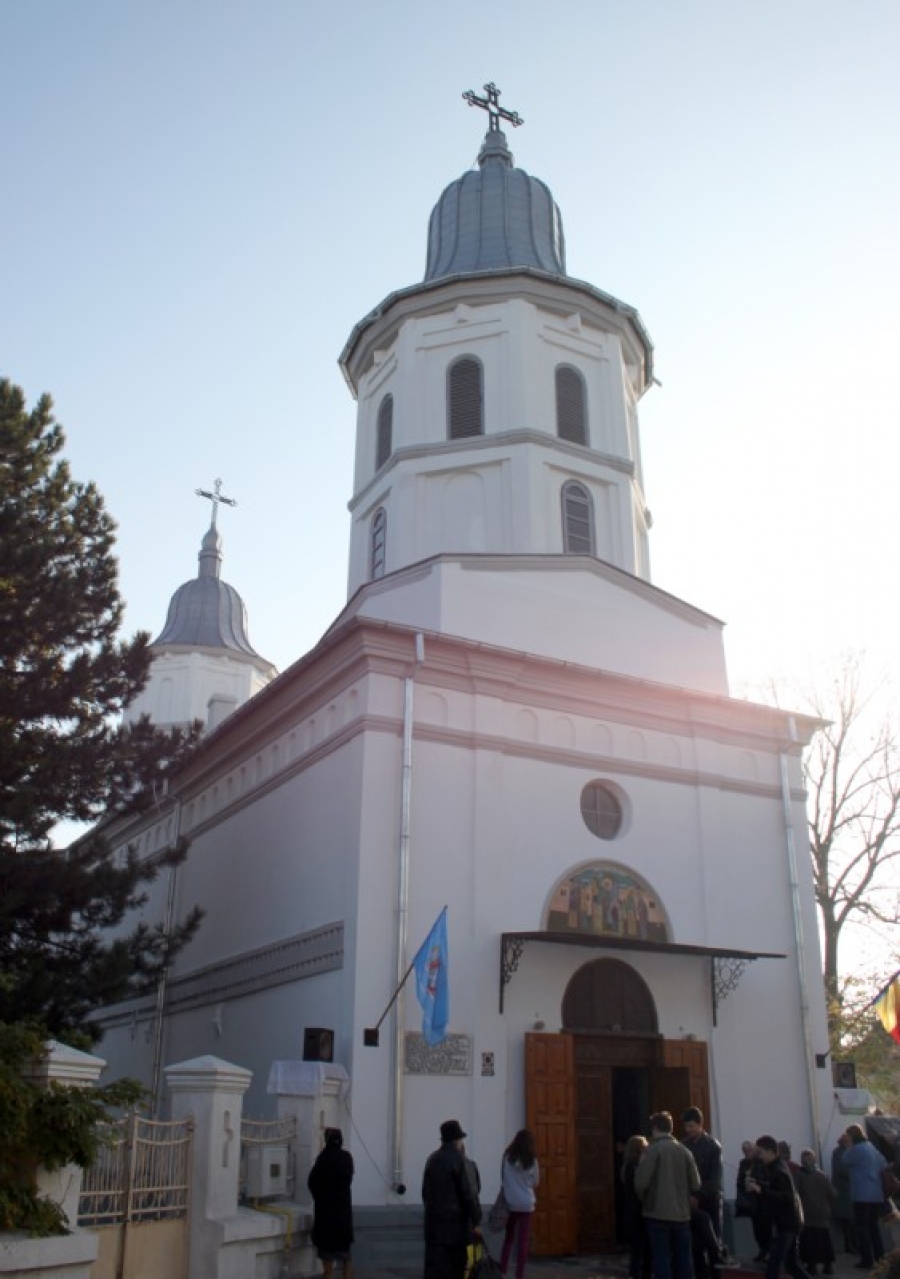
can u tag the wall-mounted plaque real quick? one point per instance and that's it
(452, 1057)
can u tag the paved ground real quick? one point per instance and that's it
(598, 1268)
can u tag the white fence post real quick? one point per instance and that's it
(211, 1092)
(70, 1256)
(74, 1069)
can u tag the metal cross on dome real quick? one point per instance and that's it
(491, 104)
(216, 497)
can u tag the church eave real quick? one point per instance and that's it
(482, 287)
(354, 648)
(352, 644)
(508, 562)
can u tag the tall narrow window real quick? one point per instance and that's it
(379, 540)
(383, 443)
(577, 520)
(571, 406)
(465, 388)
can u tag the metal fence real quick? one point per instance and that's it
(142, 1173)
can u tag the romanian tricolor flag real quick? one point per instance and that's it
(887, 1005)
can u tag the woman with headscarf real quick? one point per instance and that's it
(817, 1197)
(329, 1184)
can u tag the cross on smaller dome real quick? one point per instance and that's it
(491, 104)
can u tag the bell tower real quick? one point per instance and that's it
(497, 399)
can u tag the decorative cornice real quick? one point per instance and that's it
(358, 649)
(320, 950)
(553, 292)
(445, 450)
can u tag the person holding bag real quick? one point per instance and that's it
(520, 1176)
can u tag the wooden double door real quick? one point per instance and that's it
(585, 1095)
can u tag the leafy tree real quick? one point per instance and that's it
(65, 677)
(65, 944)
(857, 1035)
(49, 1126)
(63, 674)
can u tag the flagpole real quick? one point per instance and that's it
(373, 1030)
(370, 1034)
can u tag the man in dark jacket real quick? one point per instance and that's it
(452, 1210)
(706, 1216)
(778, 1199)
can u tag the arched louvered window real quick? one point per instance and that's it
(465, 393)
(383, 442)
(571, 405)
(379, 541)
(577, 520)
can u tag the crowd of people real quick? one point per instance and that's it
(674, 1195)
(672, 1203)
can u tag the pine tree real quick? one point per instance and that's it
(65, 677)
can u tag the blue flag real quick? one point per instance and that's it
(432, 987)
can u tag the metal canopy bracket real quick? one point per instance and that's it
(727, 971)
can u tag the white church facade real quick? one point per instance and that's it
(511, 720)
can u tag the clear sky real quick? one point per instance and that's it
(202, 197)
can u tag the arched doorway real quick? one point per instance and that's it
(607, 997)
(621, 1077)
(591, 1087)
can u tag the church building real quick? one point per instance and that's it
(510, 719)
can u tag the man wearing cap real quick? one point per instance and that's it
(452, 1211)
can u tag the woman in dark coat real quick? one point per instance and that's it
(329, 1184)
(817, 1197)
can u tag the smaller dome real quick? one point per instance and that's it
(495, 218)
(206, 612)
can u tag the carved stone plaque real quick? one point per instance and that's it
(452, 1057)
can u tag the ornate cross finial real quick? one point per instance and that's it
(491, 104)
(216, 497)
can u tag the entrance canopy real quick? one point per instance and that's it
(726, 966)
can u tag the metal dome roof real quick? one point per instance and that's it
(206, 612)
(494, 218)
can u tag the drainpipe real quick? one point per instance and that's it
(162, 984)
(798, 934)
(402, 913)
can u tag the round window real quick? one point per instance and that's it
(601, 810)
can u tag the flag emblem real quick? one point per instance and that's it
(432, 987)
